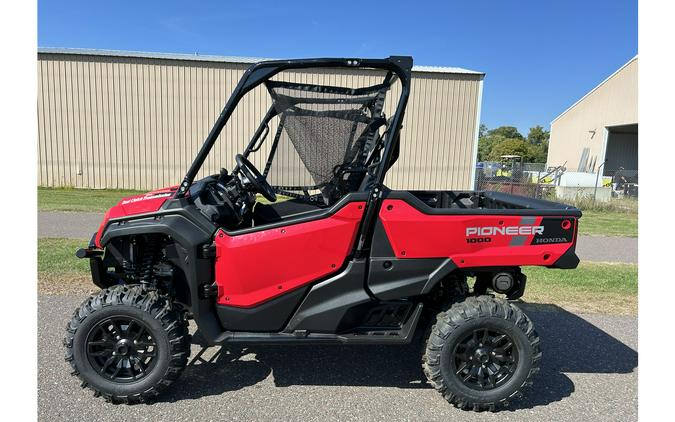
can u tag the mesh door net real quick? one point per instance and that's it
(323, 138)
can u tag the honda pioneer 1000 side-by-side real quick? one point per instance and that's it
(345, 260)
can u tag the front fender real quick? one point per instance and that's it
(189, 237)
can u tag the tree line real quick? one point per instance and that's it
(506, 140)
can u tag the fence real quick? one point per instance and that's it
(536, 181)
(526, 179)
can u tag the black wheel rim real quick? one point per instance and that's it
(121, 349)
(485, 359)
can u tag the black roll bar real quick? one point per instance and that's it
(263, 71)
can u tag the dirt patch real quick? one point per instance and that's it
(613, 305)
(66, 285)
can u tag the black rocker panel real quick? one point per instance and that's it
(270, 316)
(325, 307)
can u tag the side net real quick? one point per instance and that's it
(323, 139)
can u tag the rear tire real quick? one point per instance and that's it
(482, 353)
(127, 343)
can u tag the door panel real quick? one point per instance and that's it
(255, 267)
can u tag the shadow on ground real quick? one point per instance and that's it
(569, 344)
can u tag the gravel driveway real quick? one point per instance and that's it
(589, 372)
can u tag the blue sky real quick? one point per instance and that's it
(539, 56)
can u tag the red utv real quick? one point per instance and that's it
(345, 260)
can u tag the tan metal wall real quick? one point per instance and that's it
(582, 126)
(131, 122)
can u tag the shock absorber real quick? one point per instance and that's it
(148, 256)
(128, 263)
(128, 269)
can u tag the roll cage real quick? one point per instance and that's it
(397, 67)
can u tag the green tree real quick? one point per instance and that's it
(508, 132)
(485, 145)
(538, 135)
(484, 142)
(539, 152)
(506, 140)
(510, 147)
(482, 130)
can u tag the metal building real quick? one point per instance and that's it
(602, 127)
(112, 119)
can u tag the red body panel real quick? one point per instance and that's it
(256, 267)
(413, 234)
(138, 204)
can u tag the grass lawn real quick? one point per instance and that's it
(80, 200)
(90, 200)
(591, 288)
(609, 223)
(59, 271)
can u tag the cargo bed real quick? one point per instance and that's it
(481, 202)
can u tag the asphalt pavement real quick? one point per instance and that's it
(589, 372)
(589, 248)
(74, 225)
(608, 249)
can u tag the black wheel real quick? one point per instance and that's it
(482, 353)
(127, 344)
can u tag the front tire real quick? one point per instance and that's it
(482, 353)
(127, 343)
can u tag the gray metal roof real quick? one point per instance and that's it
(210, 58)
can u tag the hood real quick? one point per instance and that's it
(133, 205)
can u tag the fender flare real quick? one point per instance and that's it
(443, 270)
(197, 268)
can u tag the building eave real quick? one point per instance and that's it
(217, 59)
(595, 89)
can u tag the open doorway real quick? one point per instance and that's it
(621, 158)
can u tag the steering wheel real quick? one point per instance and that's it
(256, 179)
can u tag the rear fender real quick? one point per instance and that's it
(390, 277)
